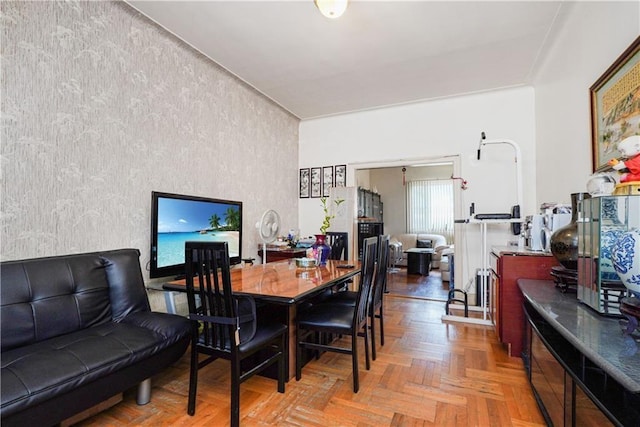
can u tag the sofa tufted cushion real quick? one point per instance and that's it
(76, 330)
(45, 298)
(40, 371)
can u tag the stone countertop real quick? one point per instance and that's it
(515, 250)
(599, 338)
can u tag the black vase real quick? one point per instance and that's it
(564, 241)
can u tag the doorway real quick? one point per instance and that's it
(389, 179)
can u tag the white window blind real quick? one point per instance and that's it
(430, 207)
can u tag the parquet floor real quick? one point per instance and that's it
(416, 286)
(428, 374)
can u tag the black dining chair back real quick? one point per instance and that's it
(376, 310)
(367, 278)
(339, 242)
(225, 325)
(327, 319)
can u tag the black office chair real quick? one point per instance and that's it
(376, 310)
(225, 326)
(339, 242)
(326, 318)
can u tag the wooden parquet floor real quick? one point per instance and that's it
(415, 286)
(428, 373)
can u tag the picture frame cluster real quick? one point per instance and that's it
(317, 181)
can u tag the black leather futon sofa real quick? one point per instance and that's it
(77, 330)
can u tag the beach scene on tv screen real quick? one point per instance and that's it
(180, 221)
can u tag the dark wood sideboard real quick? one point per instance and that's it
(279, 253)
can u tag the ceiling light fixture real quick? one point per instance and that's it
(332, 8)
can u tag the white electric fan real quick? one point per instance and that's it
(268, 227)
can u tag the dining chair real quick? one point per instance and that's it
(339, 242)
(326, 318)
(376, 310)
(225, 325)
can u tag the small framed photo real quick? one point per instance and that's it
(304, 183)
(327, 180)
(316, 184)
(341, 176)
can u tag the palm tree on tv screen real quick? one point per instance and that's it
(214, 221)
(232, 217)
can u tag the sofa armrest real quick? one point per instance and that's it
(171, 326)
(126, 284)
(444, 250)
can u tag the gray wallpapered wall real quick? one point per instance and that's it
(100, 106)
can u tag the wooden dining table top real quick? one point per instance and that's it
(282, 281)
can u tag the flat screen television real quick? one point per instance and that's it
(177, 218)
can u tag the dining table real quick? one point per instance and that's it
(279, 288)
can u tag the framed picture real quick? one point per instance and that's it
(615, 106)
(316, 184)
(341, 176)
(327, 180)
(304, 183)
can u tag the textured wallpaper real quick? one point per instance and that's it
(100, 106)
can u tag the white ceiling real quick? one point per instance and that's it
(379, 53)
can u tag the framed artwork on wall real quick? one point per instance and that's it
(304, 183)
(615, 107)
(340, 176)
(327, 180)
(316, 184)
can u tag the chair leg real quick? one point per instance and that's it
(282, 374)
(373, 336)
(354, 360)
(193, 380)
(298, 355)
(381, 325)
(235, 393)
(366, 348)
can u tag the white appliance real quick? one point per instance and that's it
(552, 222)
(533, 232)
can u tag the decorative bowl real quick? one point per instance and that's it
(601, 184)
(305, 262)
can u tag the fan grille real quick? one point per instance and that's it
(269, 226)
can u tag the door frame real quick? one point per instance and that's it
(457, 194)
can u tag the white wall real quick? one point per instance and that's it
(556, 149)
(100, 107)
(431, 130)
(592, 37)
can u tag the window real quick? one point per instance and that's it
(430, 207)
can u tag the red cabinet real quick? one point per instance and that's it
(507, 267)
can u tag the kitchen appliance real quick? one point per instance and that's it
(552, 223)
(533, 231)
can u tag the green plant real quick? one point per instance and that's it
(326, 222)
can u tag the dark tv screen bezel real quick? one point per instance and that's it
(177, 270)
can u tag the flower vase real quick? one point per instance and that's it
(564, 241)
(321, 249)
